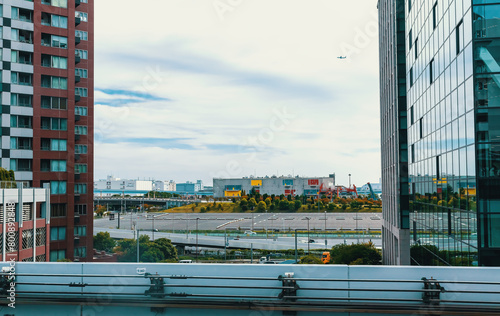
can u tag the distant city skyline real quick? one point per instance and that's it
(203, 89)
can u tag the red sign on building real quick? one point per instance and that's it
(313, 182)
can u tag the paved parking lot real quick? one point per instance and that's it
(246, 221)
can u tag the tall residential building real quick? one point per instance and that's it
(47, 111)
(453, 143)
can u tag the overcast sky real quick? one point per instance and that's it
(196, 89)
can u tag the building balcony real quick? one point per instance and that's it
(77, 176)
(78, 21)
(77, 59)
(77, 40)
(77, 117)
(77, 3)
(77, 137)
(77, 98)
(77, 78)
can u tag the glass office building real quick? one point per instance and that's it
(453, 130)
(395, 228)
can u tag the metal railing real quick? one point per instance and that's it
(270, 289)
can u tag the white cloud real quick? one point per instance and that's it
(224, 81)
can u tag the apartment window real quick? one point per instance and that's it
(47, 165)
(21, 57)
(22, 36)
(80, 130)
(21, 164)
(412, 117)
(421, 128)
(18, 99)
(82, 35)
(54, 41)
(83, 73)
(54, 123)
(412, 153)
(54, 103)
(58, 210)
(56, 3)
(434, 16)
(24, 143)
(80, 168)
(21, 14)
(80, 252)
(416, 48)
(80, 188)
(56, 255)
(58, 187)
(54, 20)
(81, 209)
(21, 121)
(54, 82)
(81, 110)
(459, 33)
(81, 91)
(411, 77)
(21, 78)
(57, 233)
(81, 231)
(54, 61)
(81, 149)
(48, 144)
(82, 15)
(431, 71)
(410, 37)
(83, 54)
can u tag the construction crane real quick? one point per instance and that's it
(372, 194)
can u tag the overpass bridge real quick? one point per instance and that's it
(245, 242)
(245, 290)
(125, 203)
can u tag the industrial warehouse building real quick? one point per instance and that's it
(273, 185)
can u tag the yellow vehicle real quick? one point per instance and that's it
(325, 257)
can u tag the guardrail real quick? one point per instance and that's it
(153, 288)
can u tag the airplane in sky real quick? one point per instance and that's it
(342, 57)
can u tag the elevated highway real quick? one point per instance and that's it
(244, 242)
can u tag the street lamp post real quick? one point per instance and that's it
(137, 243)
(308, 240)
(326, 242)
(266, 224)
(153, 230)
(197, 238)
(296, 251)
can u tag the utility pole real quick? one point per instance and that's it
(266, 224)
(137, 243)
(296, 252)
(197, 238)
(308, 240)
(326, 242)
